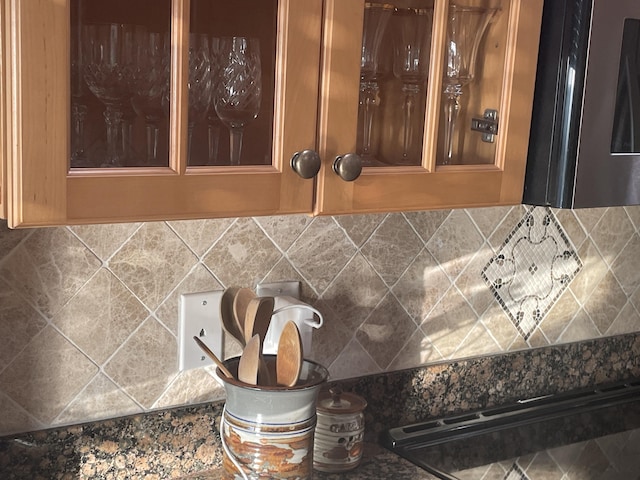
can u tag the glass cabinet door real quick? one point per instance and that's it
(440, 103)
(161, 109)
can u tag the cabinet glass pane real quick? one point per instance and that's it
(120, 61)
(231, 82)
(474, 50)
(393, 82)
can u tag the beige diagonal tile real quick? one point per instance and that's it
(594, 268)
(354, 361)
(626, 271)
(14, 419)
(146, 364)
(605, 302)
(421, 286)
(500, 325)
(99, 400)
(487, 219)
(197, 280)
(329, 341)
(360, 227)
(19, 323)
(449, 322)
(152, 262)
(478, 342)
(49, 268)
(612, 233)
(355, 292)
(104, 240)
(560, 316)
(321, 252)
(386, 330)
(504, 229)
(634, 214)
(589, 217)
(201, 234)
(417, 351)
(47, 375)
(10, 239)
(571, 226)
(284, 229)
(580, 328)
(472, 285)
(243, 255)
(100, 317)
(427, 223)
(191, 386)
(392, 247)
(627, 321)
(455, 243)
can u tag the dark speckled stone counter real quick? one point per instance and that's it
(184, 442)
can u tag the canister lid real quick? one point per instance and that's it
(335, 401)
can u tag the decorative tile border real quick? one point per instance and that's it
(532, 268)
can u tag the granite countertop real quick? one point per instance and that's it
(184, 442)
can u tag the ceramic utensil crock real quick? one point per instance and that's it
(339, 434)
(267, 431)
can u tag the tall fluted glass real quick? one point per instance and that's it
(466, 28)
(239, 91)
(411, 66)
(376, 19)
(150, 84)
(107, 54)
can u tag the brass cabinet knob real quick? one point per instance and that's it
(348, 166)
(306, 163)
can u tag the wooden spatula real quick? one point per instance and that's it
(289, 358)
(250, 362)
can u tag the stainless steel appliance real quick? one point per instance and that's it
(582, 435)
(584, 149)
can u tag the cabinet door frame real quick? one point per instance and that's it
(426, 186)
(42, 190)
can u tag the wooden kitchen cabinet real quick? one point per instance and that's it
(311, 66)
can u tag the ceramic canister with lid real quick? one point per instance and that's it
(339, 434)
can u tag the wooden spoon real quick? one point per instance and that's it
(258, 317)
(213, 357)
(250, 362)
(289, 358)
(229, 322)
(240, 302)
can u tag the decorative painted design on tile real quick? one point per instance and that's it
(516, 473)
(532, 269)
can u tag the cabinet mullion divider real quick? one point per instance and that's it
(178, 98)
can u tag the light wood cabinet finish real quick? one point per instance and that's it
(316, 102)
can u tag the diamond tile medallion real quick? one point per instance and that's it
(532, 268)
(515, 473)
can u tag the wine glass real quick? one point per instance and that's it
(411, 64)
(214, 125)
(466, 28)
(107, 56)
(200, 84)
(239, 91)
(376, 19)
(150, 84)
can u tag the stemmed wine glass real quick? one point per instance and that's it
(107, 56)
(214, 125)
(466, 28)
(376, 19)
(411, 64)
(200, 84)
(150, 84)
(239, 91)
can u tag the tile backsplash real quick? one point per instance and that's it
(89, 314)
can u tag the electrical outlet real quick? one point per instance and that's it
(290, 289)
(199, 316)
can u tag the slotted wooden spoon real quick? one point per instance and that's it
(289, 357)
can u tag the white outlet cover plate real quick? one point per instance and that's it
(199, 316)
